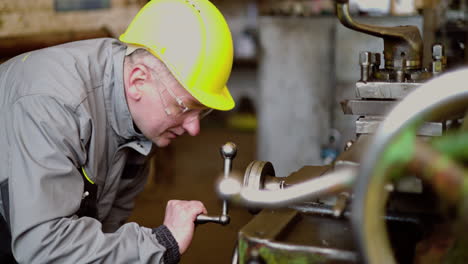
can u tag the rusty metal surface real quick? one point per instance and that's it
(311, 233)
(287, 236)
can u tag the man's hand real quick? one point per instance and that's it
(179, 219)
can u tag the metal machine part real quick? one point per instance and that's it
(285, 236)
(379, 89)
(402, 45)
(310, 233)
(228, 153)
(370, 124)
(444, 95)
(452, 31)
(331, 182)
(368, 107)
(439, 61)
(309, 217)
(310, 230)
(256, 175)
(384, 90)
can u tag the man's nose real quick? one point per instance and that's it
(192, 126)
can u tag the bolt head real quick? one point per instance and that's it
(365, 58)
(348, 145)
(437, 51)
(437, 67)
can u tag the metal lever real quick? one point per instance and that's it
(222, 219)
(228, 152)
(332, 182)
(400, 43)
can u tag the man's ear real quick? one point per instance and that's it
(139, 75)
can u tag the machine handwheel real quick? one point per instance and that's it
(256, 173)
(395, 148)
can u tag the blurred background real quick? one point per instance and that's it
(294, 62)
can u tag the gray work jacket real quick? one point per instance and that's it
(63, 109)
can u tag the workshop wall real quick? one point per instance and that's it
(27, 25)
(296, 74)
(28, 17)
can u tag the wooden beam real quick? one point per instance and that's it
(12, 46)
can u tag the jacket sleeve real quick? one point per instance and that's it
(45, 190)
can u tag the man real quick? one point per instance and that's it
(75, 118)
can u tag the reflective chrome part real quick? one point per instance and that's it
(256, 174)
(222, 219)
(329, 183)
(228, 152)
(235, 255)
(365, 62)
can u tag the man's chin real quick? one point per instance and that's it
(162, 142)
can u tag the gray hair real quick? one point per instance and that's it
(143, 56)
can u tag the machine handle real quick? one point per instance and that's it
(409, 34)
(228, 152)
(335, 181)
(223, 219)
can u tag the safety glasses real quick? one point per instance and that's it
(180, 110)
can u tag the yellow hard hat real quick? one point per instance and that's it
(193, 39)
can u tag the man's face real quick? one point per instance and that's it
(167, 110)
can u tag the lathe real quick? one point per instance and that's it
(397, 194)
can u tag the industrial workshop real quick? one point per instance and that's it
(234, 131)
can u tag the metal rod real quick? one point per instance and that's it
(227, 171)
(333, 182)
(328, 211)
(228, 151)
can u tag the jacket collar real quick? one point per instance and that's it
(116, 103)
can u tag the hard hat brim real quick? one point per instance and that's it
(222, 101)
